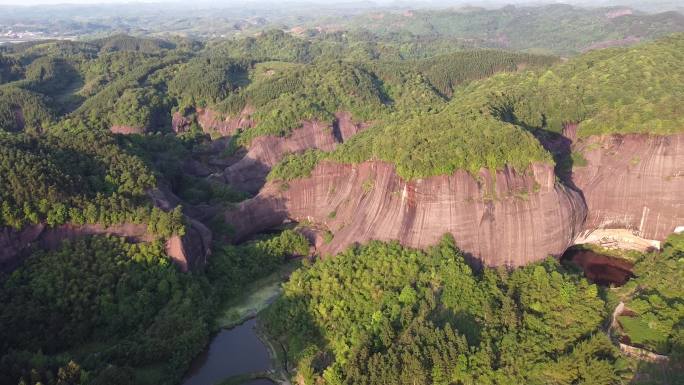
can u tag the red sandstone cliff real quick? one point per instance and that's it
(508, 218)
(212, 121)
(249, 173)
(633, 181)
(188, 251)
(13, 242)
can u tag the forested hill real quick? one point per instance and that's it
(597, 90)
(135, 84)
(59, 100)
(155, 135)
(560, 29)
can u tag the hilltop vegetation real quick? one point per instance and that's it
(284, 93)
(136, 83)
(491, 122)
(459, 110)
(23, 110)
(76, 177)
(10, 69)
(598, 90)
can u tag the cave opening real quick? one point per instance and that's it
(601, 269)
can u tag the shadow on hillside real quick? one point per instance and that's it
(559, 145)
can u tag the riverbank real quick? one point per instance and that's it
(238, 327)
(255, 298)
(278, 374)
(278, 354)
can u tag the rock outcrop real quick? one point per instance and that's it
(505, 218)
(126, 130)
(188, 251)
(191, 250)
(214, 122)
(249, 173)
(211, 121)
(14, 242)
(633, 182)
(629, 192)
(180, 123)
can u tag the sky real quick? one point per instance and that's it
(380, 2)
(38, 2)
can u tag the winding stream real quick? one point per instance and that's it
(231, 352)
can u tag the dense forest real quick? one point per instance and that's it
(77, 177)
(398, 28)
(381, 313)
(558, 28)
(105, 311)
(495, 122)
(655, 298)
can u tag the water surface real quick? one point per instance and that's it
(259, 381)
(231, 352)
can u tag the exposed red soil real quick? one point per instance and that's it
(629, 40)
(126, 130)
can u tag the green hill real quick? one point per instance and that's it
(559, 28)
(489, 123)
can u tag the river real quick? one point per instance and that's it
(231, 352)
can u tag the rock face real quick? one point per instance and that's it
(506, 218)
(210, 121)
(249, 173)
(13, 242)
(630, 191)
(189, 251)
(633, 182)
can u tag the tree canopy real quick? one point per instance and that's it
(382, 313)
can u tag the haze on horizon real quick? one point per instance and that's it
(417, 3)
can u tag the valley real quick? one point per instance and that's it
(363, 196)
